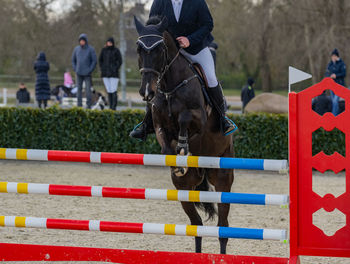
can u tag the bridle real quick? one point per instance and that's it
(149, 48)
(165, 68)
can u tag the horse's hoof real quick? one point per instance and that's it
(180, 172)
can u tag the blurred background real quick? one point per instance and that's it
(256, 38)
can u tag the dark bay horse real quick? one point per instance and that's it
(183, 121)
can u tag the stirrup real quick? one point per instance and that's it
(233, 124)
(135, 130)
(137, 126)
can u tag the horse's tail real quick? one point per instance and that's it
(208, 208)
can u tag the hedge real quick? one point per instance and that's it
(259, 135)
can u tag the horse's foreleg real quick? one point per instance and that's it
(192, 179)
(222, 180)
(195, 219)
(224, 183)
(184, 120)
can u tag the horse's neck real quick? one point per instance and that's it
(177, 72)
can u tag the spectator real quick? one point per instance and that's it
(42, 85)
(247, 93)
(213, 47)
(336, 69)
(22, 95)
(322, 104)
(84, 63)
(68, 81)
(110, 61)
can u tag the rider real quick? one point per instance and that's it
(190, 23)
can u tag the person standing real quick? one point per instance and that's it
(42, 84)
(247, 93)
(84, 62)
(110, 61)
(22, 95)
(336, 70)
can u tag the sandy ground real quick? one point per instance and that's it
(140, 210)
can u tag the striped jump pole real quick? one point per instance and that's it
(144, 159)
(144, 228)
(145, 194)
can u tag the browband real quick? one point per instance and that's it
(150, 46)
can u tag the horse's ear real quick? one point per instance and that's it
(163, 25)
(139, 26)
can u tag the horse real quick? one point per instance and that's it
(183, 120)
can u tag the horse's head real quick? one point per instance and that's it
(153, 53)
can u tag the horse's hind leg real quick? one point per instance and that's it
(222, 180)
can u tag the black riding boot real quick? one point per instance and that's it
(110, 100)
(144, 128)
(115, 100)
(218, 100)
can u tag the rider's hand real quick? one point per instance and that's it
(183, 42)
(333, 76)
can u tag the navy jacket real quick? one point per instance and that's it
(195, 22)
(42, 84)
(84, 58)
(339, 69)
(23, 96)
(322, 104)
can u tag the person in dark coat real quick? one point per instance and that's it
(110, 61)
(322, 104)
(42, 85)
(336, 69)
(190, 24)
(84, 62)
(247, 93)
(22, 95)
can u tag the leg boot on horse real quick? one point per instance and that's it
(217, 97)
(144, 128)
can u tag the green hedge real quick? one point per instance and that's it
(259, 136)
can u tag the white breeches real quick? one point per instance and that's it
(205, 59)
(111, 84)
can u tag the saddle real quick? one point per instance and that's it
(197, 68)
(203, 78)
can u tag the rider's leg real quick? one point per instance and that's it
(205, 59)
(145, 127)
